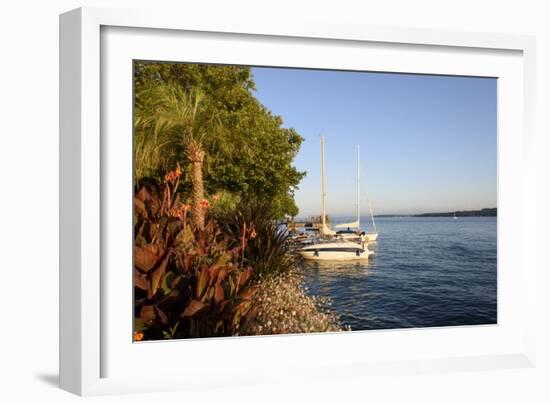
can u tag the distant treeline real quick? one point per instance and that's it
(392, 215)
(485, 212)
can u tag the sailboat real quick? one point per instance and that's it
(352, 229)
(331, 250)
(348, 233)
(324, 230)
(372, 236)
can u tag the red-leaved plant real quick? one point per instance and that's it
(187, 281)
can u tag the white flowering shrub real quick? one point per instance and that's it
(284, 307)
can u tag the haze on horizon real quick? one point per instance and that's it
(428, 143)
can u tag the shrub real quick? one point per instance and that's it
(266, 245)
(284, 307)
(188, 281)
(224, 201)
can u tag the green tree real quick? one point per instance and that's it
(183, 118)
(250, 155)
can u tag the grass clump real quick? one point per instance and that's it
(265, 246)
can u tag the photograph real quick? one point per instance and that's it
(299, 201)
(287, 200)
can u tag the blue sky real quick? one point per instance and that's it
(428, 143)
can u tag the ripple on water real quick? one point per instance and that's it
(426, 272)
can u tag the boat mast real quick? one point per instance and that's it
(323, 194)
(358, 197)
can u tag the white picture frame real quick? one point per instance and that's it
(86, 333)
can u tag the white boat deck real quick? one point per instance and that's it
(343, 250)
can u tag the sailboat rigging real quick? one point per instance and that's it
(324, 229)
(357, 223)
(348, 233)
(331, 250)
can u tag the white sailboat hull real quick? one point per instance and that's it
(351, 237)
(369, 237)
(335, 251)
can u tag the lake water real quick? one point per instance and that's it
(425, 272)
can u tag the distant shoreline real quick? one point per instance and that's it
(485, 212)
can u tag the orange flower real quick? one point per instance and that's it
(170, 177)
(204, 204)
(173, 176)
(253, 233)
(138, 336)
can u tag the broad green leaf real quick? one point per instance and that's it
(157, 275)
(219, 294)
(193, 308)
(144, 258)
(140, 280)
(204, 275)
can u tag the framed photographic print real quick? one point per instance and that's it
(257, 193)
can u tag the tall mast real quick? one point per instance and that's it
(358, 197)
(323, 194)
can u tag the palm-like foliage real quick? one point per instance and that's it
(155, 150)
(266, 247)
(171, 123)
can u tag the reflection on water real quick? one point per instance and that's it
(425, 272)
(340, 267)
